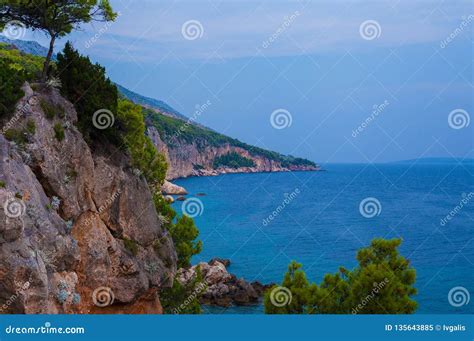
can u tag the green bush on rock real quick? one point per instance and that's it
(381, 284)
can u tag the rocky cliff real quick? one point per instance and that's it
(192, 150)
(78, 229)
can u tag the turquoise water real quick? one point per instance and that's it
(321, 225)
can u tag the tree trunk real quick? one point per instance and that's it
(44, 76)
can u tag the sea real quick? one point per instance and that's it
(263, 221)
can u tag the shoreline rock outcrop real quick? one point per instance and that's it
(186, 159)
(169, 188)
(223, 288)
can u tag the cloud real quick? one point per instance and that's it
(152, 30)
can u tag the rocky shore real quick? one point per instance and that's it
(187, 159)
(223, 288)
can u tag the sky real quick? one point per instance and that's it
(332, 81)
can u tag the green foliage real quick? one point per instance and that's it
(173, 131)
(183, 231)
(2, 184)
(164, 209)
(54, 18)
(31, 127)
(15, 69)
(184, 234)
(59, 131)
(183, 299)
(143, 152)
(50, 110)
(29, 64)
(16, 135)
(381, 284)
(86, 85)
(11, 82)
(131, 246)
(233, 160)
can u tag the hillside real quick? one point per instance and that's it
(195, 151)
(150, 103)
(30, 47)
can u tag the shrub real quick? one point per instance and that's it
(59, 131)
(31, 127)
(15, 69)
(2, 184)
(381, 284)
(131, 246)
(50, 110)
(144, 155)
(15, 135)
(86, 85)
(11, 81)
(183, 298)
(164, 208)
(233, 160)
(184, 234)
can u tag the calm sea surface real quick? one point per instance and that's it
(317, 221)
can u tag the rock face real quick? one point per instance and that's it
(169, 188)
(78, 229)
(183, 157)
(223, 289)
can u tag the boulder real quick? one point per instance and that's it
(222, 288)
(169, 188)
(224, 261)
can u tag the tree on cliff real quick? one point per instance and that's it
(184, 234)
(55, 18)
(381, 284)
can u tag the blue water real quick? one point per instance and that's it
(322, 227)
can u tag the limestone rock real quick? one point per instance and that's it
(169, 188)
(223, 288)
(73, 216)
